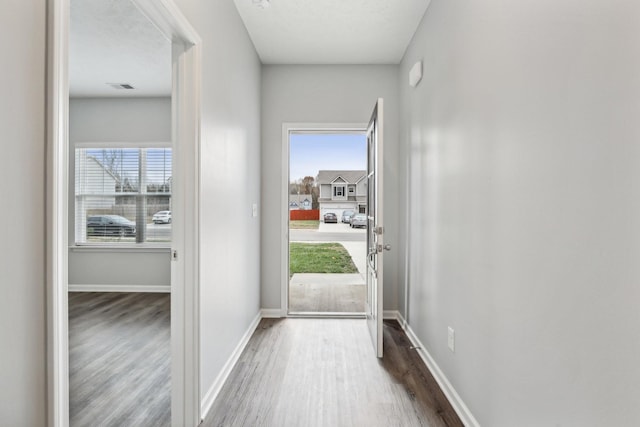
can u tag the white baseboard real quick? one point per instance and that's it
(454, 398)
(402, 321)
(215, 388)
(273, 313)
(120, 288)
(390, 314)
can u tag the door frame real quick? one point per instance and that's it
(185, 100)
(287, 129)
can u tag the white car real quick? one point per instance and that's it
(162, 217)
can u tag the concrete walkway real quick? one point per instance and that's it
(358, 252)
(326, 279)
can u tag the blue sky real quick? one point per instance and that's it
(309, 153)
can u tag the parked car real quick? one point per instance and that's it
(359, 220)
(162, 217)
(330, 217)
(110, 225)
(346, 216)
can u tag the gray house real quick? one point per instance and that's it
(342, 190)
(301, 202)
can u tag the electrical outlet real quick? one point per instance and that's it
(451, 339)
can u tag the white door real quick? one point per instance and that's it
(375, 230)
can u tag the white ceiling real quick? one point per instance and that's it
(111, 41)
(332, 31)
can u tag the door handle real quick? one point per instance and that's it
(380, 248)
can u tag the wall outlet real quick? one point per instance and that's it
(254, 210)
(451, 339)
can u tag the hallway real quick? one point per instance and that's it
(322, 372)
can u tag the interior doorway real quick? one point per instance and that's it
(327, 223)
(183, 116)
(120, 179)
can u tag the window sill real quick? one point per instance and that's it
(120, 248)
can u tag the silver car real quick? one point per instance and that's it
(359, 220)
(346, 216)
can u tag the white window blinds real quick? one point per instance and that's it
(122, 195)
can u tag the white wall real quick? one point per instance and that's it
(22, 259)
(323, 94)
(230, 180)
(125, 120)
(522, 144)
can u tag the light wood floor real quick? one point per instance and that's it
(322, 372)
(119, 359)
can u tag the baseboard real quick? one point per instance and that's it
(215, 388)
(273, 313)
(390, 314)
(120, 288)
(402, 321)
(461, 409)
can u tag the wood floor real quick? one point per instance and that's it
(119, 359)
(322, 372)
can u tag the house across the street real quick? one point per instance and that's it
(301, 202)
(342, 190)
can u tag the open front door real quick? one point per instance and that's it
(375, 243)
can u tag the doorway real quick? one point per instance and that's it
(120, 215)
(326, 220)
(183, 140)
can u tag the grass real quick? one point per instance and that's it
(304, 224)
(319, 258)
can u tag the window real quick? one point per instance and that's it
(122, 195)
(352, 190)
(338, 191)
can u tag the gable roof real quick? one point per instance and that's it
(299, 199)
(350, 176)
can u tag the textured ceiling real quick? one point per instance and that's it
(111, 41)
(332, 31)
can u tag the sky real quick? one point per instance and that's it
(309, 153)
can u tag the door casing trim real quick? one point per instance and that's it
(287, 129)
(186, 67)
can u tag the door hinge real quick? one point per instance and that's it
(174, 255)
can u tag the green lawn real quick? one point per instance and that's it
(319, 258)
(304, 224)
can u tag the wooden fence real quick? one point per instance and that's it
(312, 214)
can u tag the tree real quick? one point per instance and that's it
(307, 184)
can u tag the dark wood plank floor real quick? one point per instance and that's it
(119, 359)
(322, 372)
